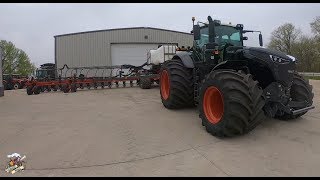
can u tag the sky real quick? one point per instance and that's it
(32, 27)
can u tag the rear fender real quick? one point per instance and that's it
(186, 59)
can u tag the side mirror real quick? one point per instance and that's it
(244, 38)
(260, 40)
(239, 26)
(196, 32)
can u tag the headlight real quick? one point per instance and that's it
(279, 59)
(291, 57)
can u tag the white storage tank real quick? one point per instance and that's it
(163, 53)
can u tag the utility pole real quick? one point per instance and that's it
(1, 80)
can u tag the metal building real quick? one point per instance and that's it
(114, 46)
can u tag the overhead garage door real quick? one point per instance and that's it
(134, 54)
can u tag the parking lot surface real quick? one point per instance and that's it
(128, 132)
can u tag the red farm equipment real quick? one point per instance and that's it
(14, 81)
(69, 79)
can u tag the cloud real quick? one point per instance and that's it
(32, 26)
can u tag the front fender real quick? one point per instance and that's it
(236, 65)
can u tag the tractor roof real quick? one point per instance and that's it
(223, 24)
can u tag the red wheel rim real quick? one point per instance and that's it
(164, 85)
(213, 105)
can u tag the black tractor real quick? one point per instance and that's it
(234, 86)
(46, 71)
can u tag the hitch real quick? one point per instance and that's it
(302, 110)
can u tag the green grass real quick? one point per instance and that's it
(312, 77)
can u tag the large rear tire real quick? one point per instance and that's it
(301, 90)
(230, 103)
(176, 85)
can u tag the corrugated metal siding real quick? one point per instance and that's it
(94, 48)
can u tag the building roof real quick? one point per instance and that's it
(121, 29)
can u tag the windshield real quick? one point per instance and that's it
(41, 73)
(204, 37)
(224, 34)
(227, 34)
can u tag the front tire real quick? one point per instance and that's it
(230, 103)
(301, 90)
(176, 85)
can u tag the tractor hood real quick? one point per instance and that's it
(269, 51)
(281, 65)
(269, 54)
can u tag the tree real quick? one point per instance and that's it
(284, 37)
(306, 53)
(315, 26)
(15, 60)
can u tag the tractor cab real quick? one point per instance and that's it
(46, 71)
(215, 42)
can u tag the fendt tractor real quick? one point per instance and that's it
(234, 86)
